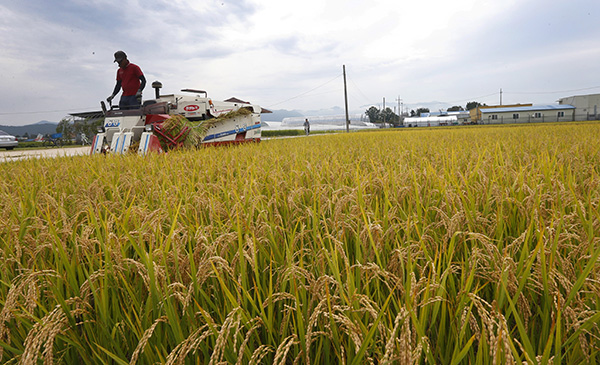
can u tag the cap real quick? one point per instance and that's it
(120, 55)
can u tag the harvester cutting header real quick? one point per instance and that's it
(171, 121)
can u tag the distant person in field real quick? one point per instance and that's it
(306, 126)
(131, 78)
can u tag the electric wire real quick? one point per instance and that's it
(335, 78)
(304, 93)
(508, 92)
(357, 88)
(551, 92)
(471, 99)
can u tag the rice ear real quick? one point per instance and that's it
(190, 133)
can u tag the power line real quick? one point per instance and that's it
(524, 92)
(552, 92)
(335, 78)
(471, 99)
(357, 88)
(304, 93)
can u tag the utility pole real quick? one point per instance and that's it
(500, 96)
(399, 110)
(383, 112)
(346, 100)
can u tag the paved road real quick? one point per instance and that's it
(43, 153)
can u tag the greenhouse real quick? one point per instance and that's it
(330, 122)
(430, 121)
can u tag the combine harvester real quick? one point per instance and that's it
(173, 121)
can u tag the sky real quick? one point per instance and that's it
(56, 56)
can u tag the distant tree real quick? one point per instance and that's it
(412, 113)
(87, 126)
(422, 110)
(388, 116)
(473, 105)
(66, 128)
(78, 127)
(374, 114)
(455, 108)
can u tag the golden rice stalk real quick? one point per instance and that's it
(179, 353)
(389, 346)
(241, 112)
(284, 348)
(147, 334)
(44, 333)
(314, 317)
(29, 288)
(494, 324)
(405, 342)
(259, 353)
(259, 323)
(232, 322)
(173, 126)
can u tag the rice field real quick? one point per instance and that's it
(469, 245)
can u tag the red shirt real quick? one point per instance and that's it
(130, 78)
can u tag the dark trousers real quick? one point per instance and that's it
(129, 102)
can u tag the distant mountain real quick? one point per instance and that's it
(42, 127)
(336, 110)
(278, 115)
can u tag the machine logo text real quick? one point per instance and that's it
(112, 123)
(191, 108)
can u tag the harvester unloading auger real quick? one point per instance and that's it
(175, 121)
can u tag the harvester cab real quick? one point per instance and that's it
(145, 129)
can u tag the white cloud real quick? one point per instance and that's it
(58, 55)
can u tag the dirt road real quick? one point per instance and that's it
(42, 153)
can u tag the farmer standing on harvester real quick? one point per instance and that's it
(131, 78)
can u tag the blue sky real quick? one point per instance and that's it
(57, 56)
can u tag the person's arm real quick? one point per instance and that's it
(115, 91)
(138, 94)
(142, 82)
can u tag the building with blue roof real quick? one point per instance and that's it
(527, 114)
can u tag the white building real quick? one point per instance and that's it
(587, 107)
(528, 114)
(431, 121)
(463, 116)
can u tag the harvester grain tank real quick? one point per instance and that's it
(147, 128)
